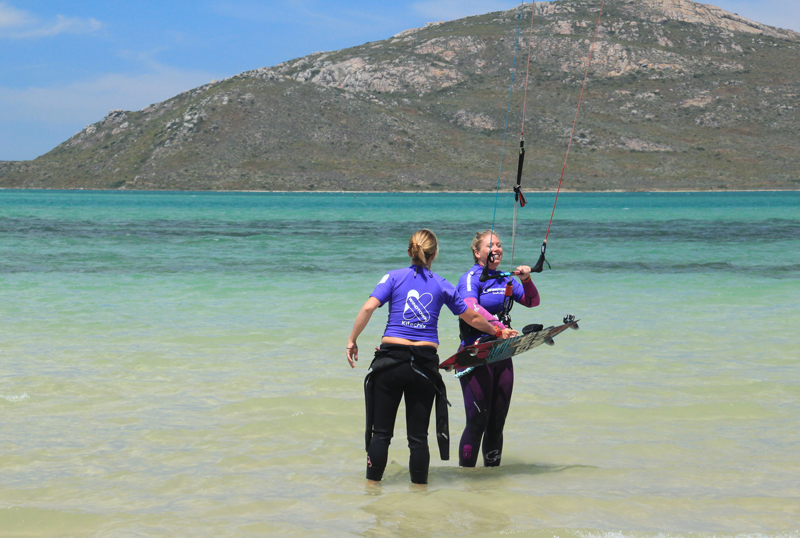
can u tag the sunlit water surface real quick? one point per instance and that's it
(172, 364)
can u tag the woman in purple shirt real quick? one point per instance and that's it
(406, 364)
(487, 389)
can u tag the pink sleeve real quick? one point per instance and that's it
(472, 304)
(531, 297)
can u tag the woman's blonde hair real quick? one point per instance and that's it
(476, 242)
(422, 247)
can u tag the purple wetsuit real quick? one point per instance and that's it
(415, 296)
(487, 389)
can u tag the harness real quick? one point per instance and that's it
(424, 362)
(467, 332)
(508, 299)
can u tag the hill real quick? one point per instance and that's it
(681, 96)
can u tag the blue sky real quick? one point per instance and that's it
(65, 64)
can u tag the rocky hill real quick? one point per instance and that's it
(681, 95)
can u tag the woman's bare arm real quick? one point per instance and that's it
(360, 323)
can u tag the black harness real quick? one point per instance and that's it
(425, 362)
(469, 333)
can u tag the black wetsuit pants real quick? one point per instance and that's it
(390, 386)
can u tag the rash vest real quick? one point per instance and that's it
(490, 294)
(415, 302)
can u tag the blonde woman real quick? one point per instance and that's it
(487, 389)
(406, 364)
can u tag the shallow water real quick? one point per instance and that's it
(172, 364)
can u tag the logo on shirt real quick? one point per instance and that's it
(417, 306)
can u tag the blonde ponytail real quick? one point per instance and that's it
(422, 247)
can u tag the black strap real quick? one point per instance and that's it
(541, 261)
(505, 315)
(489, 259)
(518, 196)
(425, 362)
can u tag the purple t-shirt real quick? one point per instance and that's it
(415, 302)
(490, 294)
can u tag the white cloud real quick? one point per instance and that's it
(85, 102)
(448, 10)
(19, 24)
(63, 25)
(11, 17)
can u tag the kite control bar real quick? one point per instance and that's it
(535, 269)
(486, 276)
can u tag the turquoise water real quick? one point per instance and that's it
(172, 364)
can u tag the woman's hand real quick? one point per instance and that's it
(361, 321)
(524, 272)
(507, 333)
(352, 353)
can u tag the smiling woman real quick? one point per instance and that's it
(406, 364)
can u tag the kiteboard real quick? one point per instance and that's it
(497, 350)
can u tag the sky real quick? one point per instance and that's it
(66, 64)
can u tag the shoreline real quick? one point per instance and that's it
(509, 191)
